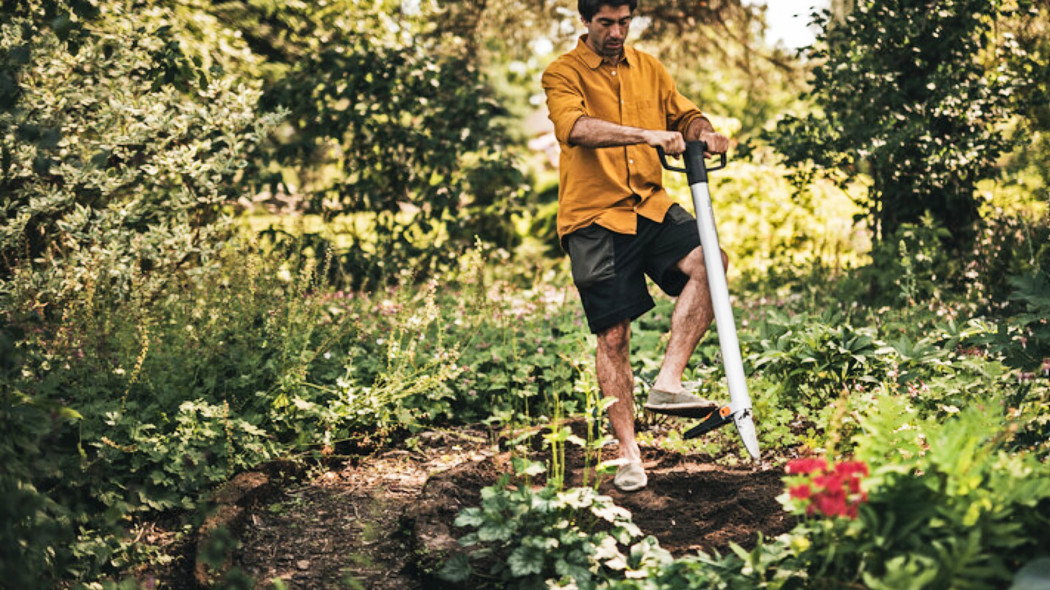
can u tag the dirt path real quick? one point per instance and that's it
(380, 522)
(342, 528)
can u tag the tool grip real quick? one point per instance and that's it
(695, 167)
(665, 163)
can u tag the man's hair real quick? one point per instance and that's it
(589, 8)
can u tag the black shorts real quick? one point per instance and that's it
(609, 268)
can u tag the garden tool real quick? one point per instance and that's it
(739, 409)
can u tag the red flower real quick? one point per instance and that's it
(852, 510)
(848, 468)
(830, 490)
(828, 482)
(801, 492)
(831, 502)
(806, 466)
(854, 486)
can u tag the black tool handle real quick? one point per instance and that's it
(715, 419)
(695, 169)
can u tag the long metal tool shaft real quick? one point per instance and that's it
(739, 408)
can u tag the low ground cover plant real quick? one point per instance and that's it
(525, 538)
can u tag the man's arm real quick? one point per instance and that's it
(597, 133)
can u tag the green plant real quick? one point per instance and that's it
(812, 358)
(1009, 244)
(947, 507)
(120, 154)
(126, 190)
(911, 265)
(1033, 291)
(903, 111)
(399, 129)
(524, 538)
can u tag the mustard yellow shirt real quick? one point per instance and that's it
(611, 186)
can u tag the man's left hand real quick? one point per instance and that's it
(716, 142)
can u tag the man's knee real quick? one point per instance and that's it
(693, 263)
(615, 339)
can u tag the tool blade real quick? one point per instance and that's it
(745, 426)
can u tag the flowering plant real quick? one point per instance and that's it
(816, 486)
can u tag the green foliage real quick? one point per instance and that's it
(813, 358)
(117, 153)
(33, 523)
(1008, 245)
(394, 126)
(515, 351)
(118, 156)
(947, 500)
(527, 539)
(771, 230)
(912, 264)
(914, 97)
(1033, 291)
(946, 507)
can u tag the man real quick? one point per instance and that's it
(611, 106)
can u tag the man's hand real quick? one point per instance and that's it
(716, 142)
(671, 142)
(700, 129)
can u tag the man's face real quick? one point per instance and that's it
(608, 29)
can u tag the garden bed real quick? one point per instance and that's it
(386, 521)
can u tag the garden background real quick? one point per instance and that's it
(238, 231)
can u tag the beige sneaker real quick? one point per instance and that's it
(630, 477)
(678, 404)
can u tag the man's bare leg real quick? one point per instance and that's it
(615, 378)
(692, 316)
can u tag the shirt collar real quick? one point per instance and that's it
(592, 59)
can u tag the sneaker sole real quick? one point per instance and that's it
(683, 411)
(631, 488)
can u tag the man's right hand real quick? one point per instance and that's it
(671, 142)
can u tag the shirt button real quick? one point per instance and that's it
(630, 161)
(614, 72)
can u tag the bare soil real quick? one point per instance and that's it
(385, 521)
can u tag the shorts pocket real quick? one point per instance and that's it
(677, 214)
(591, 255)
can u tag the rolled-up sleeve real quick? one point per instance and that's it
(680, 110)
(564, 100)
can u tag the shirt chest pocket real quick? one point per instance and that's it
(647, 114)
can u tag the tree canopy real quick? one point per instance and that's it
(918, 97)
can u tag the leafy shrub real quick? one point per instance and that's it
(1033, 291)
(392, 126)
(119, 153)
(122, 189)
(903, 112)
(946, 507)
(770, 229)
(811, 359)
(516, 350)
(911, 266)
(167, 401)
(1008, 245)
